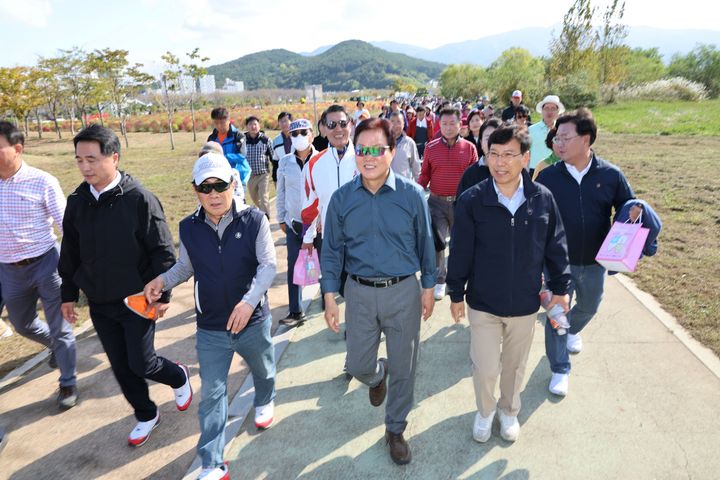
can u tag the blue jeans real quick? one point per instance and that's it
(215, 351)
(22, 287)
(587, 282)
(294, 291)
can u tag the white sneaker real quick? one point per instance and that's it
(142, 430)
(184, 394)
(559, 384)
(482, 428)
(216, 473)
(509, 427)
(5, 330)
(439, 291)
(574, 343)
(264, 416)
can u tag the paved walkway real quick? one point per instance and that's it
(641, 405)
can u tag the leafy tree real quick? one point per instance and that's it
(119, 81)
(701, 65)
(81, 82)
(18, 92)
(643, 65)
(50, 72)
(610, 40)
(467, 81)
(517, 68)
(194, 70)
(170, 88)
(573, 50)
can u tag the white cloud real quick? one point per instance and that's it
(34, 13)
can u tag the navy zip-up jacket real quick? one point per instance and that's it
(496, 258)
(223, 268)
(586, 209)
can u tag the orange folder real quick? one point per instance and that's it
(138, 304)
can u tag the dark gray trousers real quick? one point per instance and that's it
(394, 311)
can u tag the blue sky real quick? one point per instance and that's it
(227, 29)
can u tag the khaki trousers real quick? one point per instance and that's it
(258, 187)
(499, 346)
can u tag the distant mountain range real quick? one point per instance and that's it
(349, 65)
(537, 40)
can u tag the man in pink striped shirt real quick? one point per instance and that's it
(31, 202)
(444, 162)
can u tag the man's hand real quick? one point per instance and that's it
(153, 290)
(161, 308)
(68, 312)
(239, 317)
(427, 300)
(332, 313)
(457, 310)
(283, 227)
(562, 300)
(308, 247)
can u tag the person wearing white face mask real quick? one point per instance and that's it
(289, 206)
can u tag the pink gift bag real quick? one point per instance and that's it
(307, 269)
(622, 247)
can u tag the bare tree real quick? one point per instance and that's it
(170, 87)
(195, 70)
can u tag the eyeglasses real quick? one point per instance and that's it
(563, 140)
(302, 132)
(376, 151)
(332, 125)
(507, 156)
(206, 188)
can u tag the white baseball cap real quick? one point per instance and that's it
(212, 165)
(517, 93)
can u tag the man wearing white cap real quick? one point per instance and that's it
(231, 304)
(515, 101)
(550, 107)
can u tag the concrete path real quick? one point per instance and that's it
(641, 405)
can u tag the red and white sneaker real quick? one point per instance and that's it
(184, 394)
(217, 473)
(142, 430)
(264, 415)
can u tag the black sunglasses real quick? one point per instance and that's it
(332, 125)
(302, 132)
(209, 187)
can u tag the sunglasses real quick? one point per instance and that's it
(363, 151)
(332, 125)
(303, 132)
(206, 188)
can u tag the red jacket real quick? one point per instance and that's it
(413, 123)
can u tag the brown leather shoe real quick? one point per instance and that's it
(378, 392)
(399, 449)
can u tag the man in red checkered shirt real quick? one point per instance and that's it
(445, 160)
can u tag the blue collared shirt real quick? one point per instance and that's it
(512, 204)
(381, 235)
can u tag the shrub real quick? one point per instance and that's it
(676, 88)
(577, 90)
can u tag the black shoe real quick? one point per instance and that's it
(67, 398)
(3, 438)
(378, 392)
(348, 375)
(293, 319)
(52, 361)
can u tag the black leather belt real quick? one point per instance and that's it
(28, 261)
(447, 198)
(384, 283)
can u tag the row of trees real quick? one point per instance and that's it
(585, 59)
(75, 83)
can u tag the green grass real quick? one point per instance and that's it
(661, 118)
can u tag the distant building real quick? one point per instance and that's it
(207, 84)
(318, 91)
(234, 85)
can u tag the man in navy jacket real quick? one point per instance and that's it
(586, 189)
(507, 228)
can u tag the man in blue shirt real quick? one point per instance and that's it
(377, 229)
